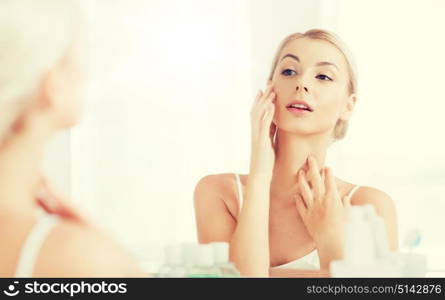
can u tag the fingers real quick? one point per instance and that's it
(314, 179)
(48, 201)
(301, 206)
(272, 133)
(268, 115)
(305, 190)
(48, 196)
(258, 96)
(267, 101)
(51, 200)
(330, 185)
(267, 109)
(267, 97)
(267, 92)
(48, 206)
(262, 102)
(323, 175)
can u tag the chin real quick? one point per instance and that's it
(305, 126)
(296, 127)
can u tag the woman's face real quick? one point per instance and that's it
(311, 81)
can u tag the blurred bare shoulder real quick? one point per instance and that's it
(77, 250)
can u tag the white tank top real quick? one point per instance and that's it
(311, 260)
(33, 242)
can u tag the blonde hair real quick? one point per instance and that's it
(324, 35)
(34, 37)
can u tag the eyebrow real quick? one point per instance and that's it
(291, 56)
(321, 63)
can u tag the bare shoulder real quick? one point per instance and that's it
(219, 186)
(217, 192)
(77, 250)
(370, 195)
(217, 183)
(366, 195)
(385, 208)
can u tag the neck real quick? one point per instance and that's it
(21, 157)
(291, 155)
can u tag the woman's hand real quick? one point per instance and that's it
(249, 243)
(322, 210)
(263, 131)
(52, 201)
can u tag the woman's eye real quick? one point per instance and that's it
(288, 72)
(323, 77)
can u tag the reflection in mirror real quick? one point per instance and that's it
(169, 100)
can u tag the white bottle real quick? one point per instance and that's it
(361, 248)
(221, 257)
(203, 266)
(359, 239)
(173, 262)
(188, 255)
(379, 231)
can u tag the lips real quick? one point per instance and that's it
(300, 106)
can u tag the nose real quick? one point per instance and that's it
(305, 88)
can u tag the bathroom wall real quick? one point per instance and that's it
(170, 93)
(171, 84)
(395, 141)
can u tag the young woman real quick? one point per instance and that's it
(289, 211)
(41, 78)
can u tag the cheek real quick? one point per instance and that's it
(284, 90)
(329, 108)
(329, 96)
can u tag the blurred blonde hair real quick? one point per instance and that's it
(324, 35)
(35, 35)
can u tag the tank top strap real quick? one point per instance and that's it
(353, 190)
(32, 245)
(239, 189)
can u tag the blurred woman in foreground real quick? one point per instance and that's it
(41, 84)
